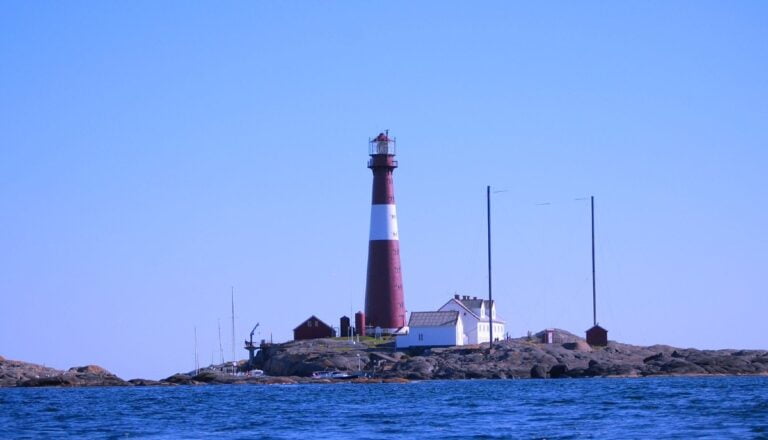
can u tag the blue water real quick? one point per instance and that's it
(715, 407)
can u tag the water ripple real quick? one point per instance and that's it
(715, 407)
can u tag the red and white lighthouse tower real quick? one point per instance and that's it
(384, 303)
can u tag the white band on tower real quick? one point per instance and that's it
(383, 222)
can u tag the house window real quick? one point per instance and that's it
(421, 337)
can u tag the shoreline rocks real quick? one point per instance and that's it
(22, 374)
(514, 358)
(294, 362)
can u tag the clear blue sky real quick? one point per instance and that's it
(154, 154)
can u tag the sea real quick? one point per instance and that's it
(600, 408)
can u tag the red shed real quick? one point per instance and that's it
(597, 336)
(313, 328)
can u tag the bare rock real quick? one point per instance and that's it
(568, 356)
(13, 373)
(558, 371)
(90, 369)
(396, 380)
(538, 372)
(659, 357)
(680, 366)
(278, 381)
(577, 372)
(180, 379)
(213, 377)
(577, 346)
(87, 376)
(147, 383)
(418, 368)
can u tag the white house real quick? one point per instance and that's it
(461, 321)
(432, 329)
(475, 315)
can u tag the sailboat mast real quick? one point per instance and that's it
(233, 325)
(221, 348)
(594, 288)
(197, 363)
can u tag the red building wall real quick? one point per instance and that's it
(344, 327)
(597, 336)
(313, 328)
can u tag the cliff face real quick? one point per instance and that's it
(518, 358)
(24, 374)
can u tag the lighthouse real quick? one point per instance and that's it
(384, 302)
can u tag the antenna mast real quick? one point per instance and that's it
(490, 284)
(594, 289)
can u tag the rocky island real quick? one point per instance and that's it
(513, 358)
(378, 361)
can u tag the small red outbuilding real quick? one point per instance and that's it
(597, 336)
(313, 328)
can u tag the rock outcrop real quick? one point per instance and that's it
(377, 361)
(514, 358)
(14, 372)
(87, 376)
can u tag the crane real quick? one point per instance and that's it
(250, 347)
(254, 331)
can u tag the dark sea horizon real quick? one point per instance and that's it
(663, 407)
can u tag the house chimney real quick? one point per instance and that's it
(456, 296)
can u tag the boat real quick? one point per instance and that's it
(331, 374)
(254, 373)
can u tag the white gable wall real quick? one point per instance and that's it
(469, 321)
(484, 331)
(468, 330)
(476, 331)
(447, 335)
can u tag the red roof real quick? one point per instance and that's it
(316, 319)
